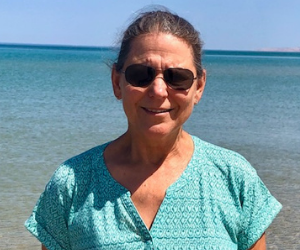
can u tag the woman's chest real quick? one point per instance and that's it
(185, 216)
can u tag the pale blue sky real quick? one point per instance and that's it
(224, 24)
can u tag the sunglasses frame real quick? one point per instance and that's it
(151, 76)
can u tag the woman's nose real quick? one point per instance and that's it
(158, 88)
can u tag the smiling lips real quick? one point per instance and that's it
(157, 111)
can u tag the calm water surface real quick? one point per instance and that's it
(58, 102)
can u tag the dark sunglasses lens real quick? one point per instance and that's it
(139, 75)
(179, 79)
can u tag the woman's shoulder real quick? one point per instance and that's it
(223, 159)
(84, 161)
(79, 167)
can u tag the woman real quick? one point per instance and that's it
(156, 186)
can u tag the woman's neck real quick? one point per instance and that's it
(136, 161)
(142, 150)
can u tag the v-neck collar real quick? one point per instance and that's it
(125, 196)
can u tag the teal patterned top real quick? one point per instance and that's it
(219, 202)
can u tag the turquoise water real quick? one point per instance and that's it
(56, 102)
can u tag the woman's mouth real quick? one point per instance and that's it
(157, 111)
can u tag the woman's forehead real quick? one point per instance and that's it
(160, 46)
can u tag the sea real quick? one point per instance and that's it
(57, 101)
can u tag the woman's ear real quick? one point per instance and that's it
(200, 87)
(115, 79)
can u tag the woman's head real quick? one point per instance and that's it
(158, 74)
(157, 108)
(161, 21)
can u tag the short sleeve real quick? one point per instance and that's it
(259, 208)
(49, 219)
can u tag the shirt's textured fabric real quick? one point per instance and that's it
(218, 202)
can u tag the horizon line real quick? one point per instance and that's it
(98, 47)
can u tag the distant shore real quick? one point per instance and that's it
(296, 49)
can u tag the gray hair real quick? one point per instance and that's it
(161, 21)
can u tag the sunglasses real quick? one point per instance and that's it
(139, 75)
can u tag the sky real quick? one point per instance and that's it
(223, 24)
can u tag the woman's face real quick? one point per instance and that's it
(157, 109)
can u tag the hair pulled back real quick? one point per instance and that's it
(165, 22)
